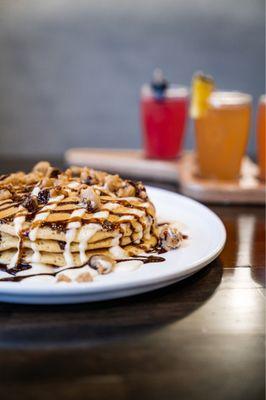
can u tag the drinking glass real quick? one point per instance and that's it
(163, 121)
(261, 136)
(222, 135)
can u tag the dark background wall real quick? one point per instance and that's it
(70, 71)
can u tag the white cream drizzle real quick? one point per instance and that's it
(43, 279)
(126, 217)
(101, 214)
(116, 240)
(135, 200)
(74, 273)
(70, 235)
(35, 191)
(135, 211)
(117, 252)
(73, 185)
(86, 232)
(111, 206)
(36, 257)
(128, 266)
(18, 224)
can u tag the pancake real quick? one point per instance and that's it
(8, 242)
(64, 218)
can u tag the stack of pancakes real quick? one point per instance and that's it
(62, 219)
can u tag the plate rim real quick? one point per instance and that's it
(15, 289)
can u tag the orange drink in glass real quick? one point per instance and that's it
(222, 134)
(261, 136)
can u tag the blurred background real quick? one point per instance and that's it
(71, 71)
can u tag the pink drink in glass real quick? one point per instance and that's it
(163, 121)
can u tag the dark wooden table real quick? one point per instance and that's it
(202, 338)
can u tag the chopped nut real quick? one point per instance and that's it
(84, 173)
(53, 172)
(127, 190)
(3, 177)
(68, 173)
(169, 238)
(31, 204)
(5, 194)
(15, 179)
(112, 182)
(86, 177)
(30, 178)
(63, 278)
(46, 182)
(141, 191)
(42, 167)
(103, 264)
(75, 171)
(57, 191)
(99, 176)
(90, 199)
(84, 277)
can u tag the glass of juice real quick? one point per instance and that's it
(222, 135)
(163, 110)
(261, 136)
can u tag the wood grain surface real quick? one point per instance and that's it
(202, 338)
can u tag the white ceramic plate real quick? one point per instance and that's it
(206, 240)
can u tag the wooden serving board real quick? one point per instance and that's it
(124, 162)
(247, 190)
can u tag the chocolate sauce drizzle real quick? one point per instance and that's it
(22, 267)
(33, 205)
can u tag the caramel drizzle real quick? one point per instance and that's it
(39, 223)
